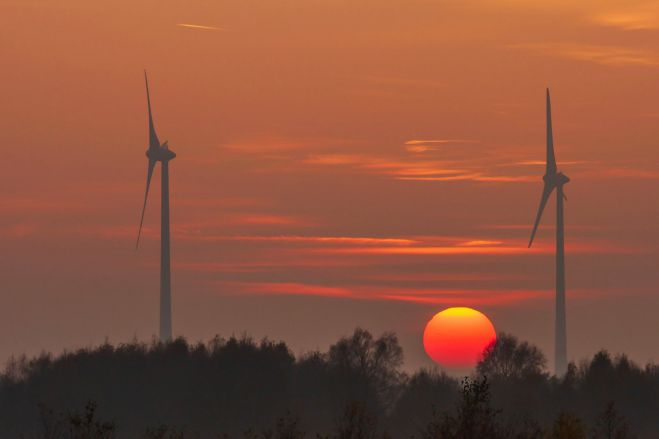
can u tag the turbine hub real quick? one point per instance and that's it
(162, 154)
(557, 179)
(562, 178)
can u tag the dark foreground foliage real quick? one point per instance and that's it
(243, 389)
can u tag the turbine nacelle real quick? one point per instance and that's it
(161, 154)
(555, 180)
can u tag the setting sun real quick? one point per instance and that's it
(456, 337)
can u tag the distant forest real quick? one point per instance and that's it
(240, 388)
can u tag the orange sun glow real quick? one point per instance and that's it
(456, 337)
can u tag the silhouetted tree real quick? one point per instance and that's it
(611, 425)
(288, 427)
(168, 432)
(237, 384)
(372, 364)
(475, 417)
(425, 394)
(508, 358)
(356, 423)
(74, 425)
(568, 426)
(518, 378)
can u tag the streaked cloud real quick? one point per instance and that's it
(479, 177)
(440, 250)
(416, 295)
(482, 248)
(18, 231)
(479, 243)
(420, 145)
(485, 298)
(438, 141)
(269, 219)
(34, 204)
(632, 17)
(543, 163)
(622, 172)
(415, 169)
(400, 81)
(200, 27)
(321, 239)
(617, 56)
(631, 173)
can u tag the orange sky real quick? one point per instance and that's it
(340, 163)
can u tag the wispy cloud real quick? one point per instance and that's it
(440, 250)
(479, 177)
(204, 229)
(200, 27)
(631, 173)
(18, 231)
(438, 141)
(415, 295)
(34, 204)
(400, 81)
(269, 219)
(479, 247)
(321, 239)
(643, 16)
(543, 163)
(620, 172)
(422, 145)
(414, 169)
(606, 55)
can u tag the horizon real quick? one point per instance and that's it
(340, 165)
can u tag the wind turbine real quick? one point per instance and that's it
(555, 180)
(158, 152)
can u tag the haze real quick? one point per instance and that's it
(340, 163)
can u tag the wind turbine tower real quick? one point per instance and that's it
(158, 152)
(555, 180)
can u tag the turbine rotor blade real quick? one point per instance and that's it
(154, 142)
(551, 158)
(152, 164)
(546, 192)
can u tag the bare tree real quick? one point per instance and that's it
(508, 358)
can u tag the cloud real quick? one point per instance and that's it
(295, 289)
(414, 169)
(479, 243)
(400, 82)
(543, 163)
(321, 239)
(200, 27)
(631, 18)
(440, 250)
(205, 229)
(479, 177)
(623, 172)
(481, 247)
(269, 219)
(617, 56)
(268, 263)
(226, 202)
(18, 231)
(631, 173)
(421, 145)
(34, 204)
(486, 298)
(416, 295)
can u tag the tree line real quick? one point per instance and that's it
(241, 388)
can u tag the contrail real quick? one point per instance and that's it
(199, 26)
